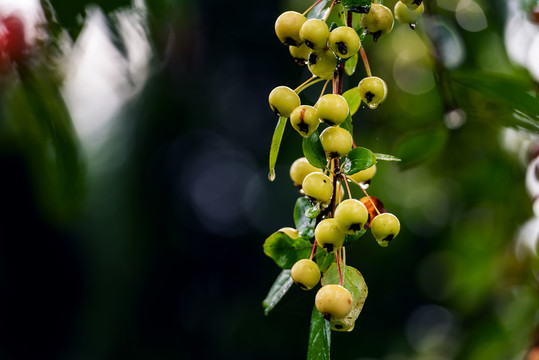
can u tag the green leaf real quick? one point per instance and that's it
(352, 238)
(286, 251)
(324, 259)
(358, 6)
(347, 124)
(313, 211)
(275, 145)
(502, 89)
(313, 150)
(319, 337)
(418, 147)
(350, 66)
(304, 224)
(354, 100)
(353, 281)
(279, 288)
(359, 159)
(386, 157)
(320, 11)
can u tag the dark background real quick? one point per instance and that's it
(150, 246)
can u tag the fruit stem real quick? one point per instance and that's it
(345, 178)
(365, 61)
(336, 175)
(311, 7)
(365, 191)
(338, 267)
(306, 84)
(312, 252)
(329, 12)
(324, 89)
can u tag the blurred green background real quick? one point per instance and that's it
(134, 198)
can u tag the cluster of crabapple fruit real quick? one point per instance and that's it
(325, 50)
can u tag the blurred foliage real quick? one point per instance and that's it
(153, 242)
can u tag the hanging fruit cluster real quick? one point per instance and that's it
(327, 216)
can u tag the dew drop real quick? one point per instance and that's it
(271, 175)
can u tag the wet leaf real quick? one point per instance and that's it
(304, 224)
(359, 159)
(350, 67)
(358, 6)
(324, 259)
(347, 124)
(354, 100)
(320, 11)
(313, 151)
(275, 145)
(353, 281)
(279, 288)
(386, 157)
(312, 212)
(319, 337)
(352, 238)
(286, 251)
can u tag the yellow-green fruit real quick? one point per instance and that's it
(322, 63)
(364, 175)
(378, 21)
(412, 4)
(328, 235)
(287, 27)
(314, 33)
(291, 232)
(372, 91)
(305, 273)
(384, 228)
(344, 41)
(318, 186)
(332, 109)
(300, 169)
(405, 15)
(304, 120)
(283, 100)
(336, 141)
(351, 216)
(333, 301)
(300, 53)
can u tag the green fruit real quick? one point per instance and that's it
(351, 216)
(287, 27)
(291, 232)
(318, 186)
(378, 21)
(372, 91)
(364, 175)
(344, 41)
(412, 4)
(322, 63)
(333, 301)
(406, 15)
(332, 109)
(283, 100)
(384, 228)
(305, 273)
(336, 141)
(304, 120)
(328, 235)
(300, 54)
(300, 169)
(314, 33)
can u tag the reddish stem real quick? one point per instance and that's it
(339, 267)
